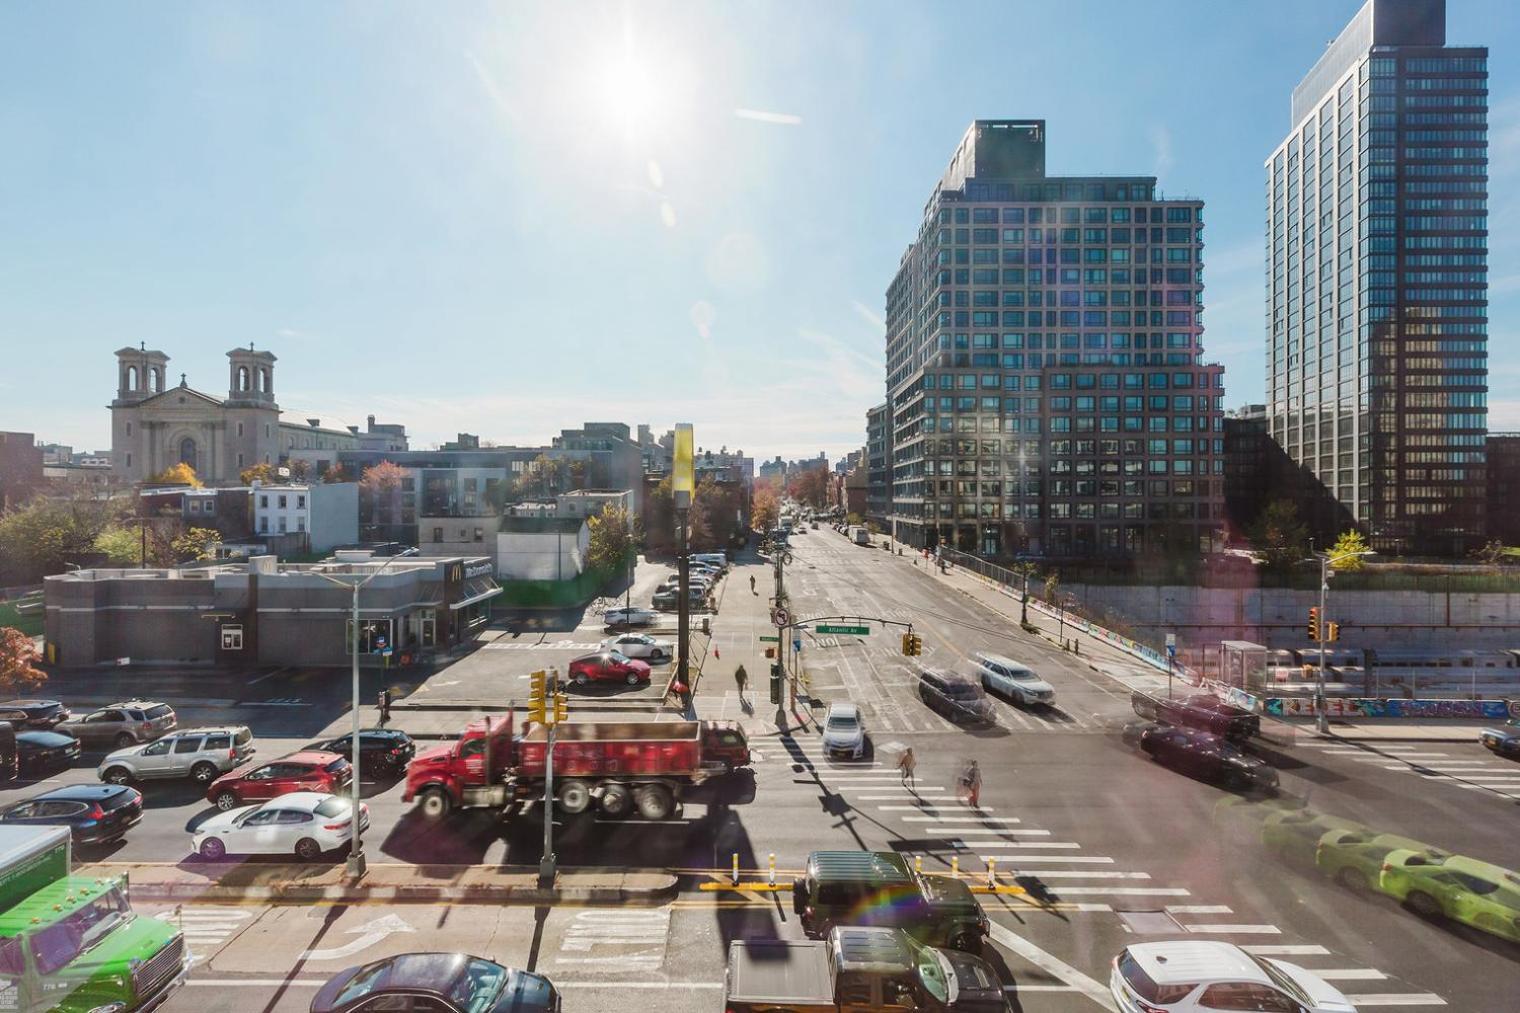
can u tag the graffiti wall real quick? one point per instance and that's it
(1354, 707)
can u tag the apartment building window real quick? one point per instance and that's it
(282, 524)
(282, 501)
(300, 523)
(263, 501)
(438, 534)
(301, 502)
(264, 525)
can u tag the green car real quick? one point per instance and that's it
(1354, 858)
(1475, 893)
(1293, 836)
(75, 946)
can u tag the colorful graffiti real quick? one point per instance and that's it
(1361, 707)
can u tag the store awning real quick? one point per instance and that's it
(477, 589)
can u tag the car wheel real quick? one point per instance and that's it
(117, 775)
(633, 679)
(616, 800)
(203, 773)
(124, 740)
(1351, 879)
(656, 655)
(213, 850)
(435, 804)
(1423, 905)
(580, 678)
(308, 850)
(574, 797)
(226, 800)
(655, 802)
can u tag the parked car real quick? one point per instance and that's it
(382, 751)
(307, 824)
(1354, 858)
(305, 771)
(608, 666)
(122, 724)
(717, 559)
(630, 617)
(844, 733)
(1202, 711)
(94, 813)
(696, 598)
(438, 982)
(197, 753)
(1008, 678)
(39, 754)
(1203, 755)
(956, 697)
(43, 714)
(695, 580)
(1475, 893)
(1183, 975)
(640, 645)
(1502, 741)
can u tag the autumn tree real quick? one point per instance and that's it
(19, 673)
(194, 544)
(122, 546)
(177, 474)
(1347, 546)
(765, 507)
(1278, 537)
(660, 517)
(810, 486)
(300, 471)
(611, 539)
(543, 476)
(335, 474)
(264, 473)
(39, 537)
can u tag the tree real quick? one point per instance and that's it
(177, 474)
(39, 537)
(765, 507)
(19, 673)
(300, 471)
(1278, 537)
(810, 486)
(1052, 586)
(334, 475)
(1349, 543)
(543, 476)
(580, 474)
(263, 473)
(380, 492)
(660, 517)
(611, 539)
(701, 519)
(121, 546)
(195, 543)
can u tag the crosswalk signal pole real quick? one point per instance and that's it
(546, 862)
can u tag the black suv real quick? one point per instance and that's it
(881, 888)
(956, 697)
(1202, 711)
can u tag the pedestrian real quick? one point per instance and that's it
(905, 764)
(741, 679)
(971, 784)
(752, 583)
(385, 707)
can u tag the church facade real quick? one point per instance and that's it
(155, 426)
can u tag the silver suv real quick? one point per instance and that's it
(122, 724)
(202, 754)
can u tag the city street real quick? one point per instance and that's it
(1109, 846)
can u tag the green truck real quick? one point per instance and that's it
(72, 943)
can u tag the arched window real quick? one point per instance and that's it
(131, 378)
(158, 379)
(265, 383)
(187, 452)
(242, 381)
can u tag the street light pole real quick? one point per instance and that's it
(1326, 561)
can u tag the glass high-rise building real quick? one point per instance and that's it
(1046, 387)
(1377, 249)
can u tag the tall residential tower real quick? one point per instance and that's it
(1046, 387)
(1377, 244)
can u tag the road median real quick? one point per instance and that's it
(295, 883)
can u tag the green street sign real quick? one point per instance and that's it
(774, 640)
(854, 631)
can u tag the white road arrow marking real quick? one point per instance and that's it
(369, 934)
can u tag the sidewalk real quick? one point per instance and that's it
(221, 883)
(1374, 730)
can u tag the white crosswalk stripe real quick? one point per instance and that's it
(206, 926)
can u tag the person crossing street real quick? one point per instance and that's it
(905, 765)
(971, 785)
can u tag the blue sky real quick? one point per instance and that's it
(510, 218)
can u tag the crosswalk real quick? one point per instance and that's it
(1060, 875)
(206, 926)
(1430, 762)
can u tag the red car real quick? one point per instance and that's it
(257, 782)
(609, 666)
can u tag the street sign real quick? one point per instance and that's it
(1171, 640)
(854, 631)
(773, 640)
(780, 617)
(796, 643)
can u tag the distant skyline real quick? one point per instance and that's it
(512, 219)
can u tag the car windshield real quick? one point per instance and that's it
(963, 690)
(59, 944)
(843, 722)
(1284, 982)
(936, 976)
(476, 987)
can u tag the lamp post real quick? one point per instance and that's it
(355, 866)
(683, 487)
(1326, 561)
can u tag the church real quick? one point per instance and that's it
(154, 426)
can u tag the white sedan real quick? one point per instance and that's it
(640, 645)
(307, 824)
(630, 617)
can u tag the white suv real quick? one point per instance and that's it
(1008, 678)
(1182, 976)
(201, 754)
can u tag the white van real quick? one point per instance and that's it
(717, 559)
(861, 535)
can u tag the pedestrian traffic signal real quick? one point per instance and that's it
(561, 708)
(1332, 632)
(912, 645)
(1314, 624)
(770, 652)
(537, 697)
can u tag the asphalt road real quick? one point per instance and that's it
(1110, 847)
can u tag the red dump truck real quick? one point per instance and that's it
(618, 766)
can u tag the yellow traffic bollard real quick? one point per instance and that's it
(918, 863)
(773, 868)
(736, 869)
(992, 873)
(955, 865)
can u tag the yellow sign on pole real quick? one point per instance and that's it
(683, 473)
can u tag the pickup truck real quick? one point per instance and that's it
(857, 969)
(617, 766)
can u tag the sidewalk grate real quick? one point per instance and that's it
(1149, 922)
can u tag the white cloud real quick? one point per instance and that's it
(761, 116)
(869, 315)
(1161, 141)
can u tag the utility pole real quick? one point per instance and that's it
(778, 607)
(546, 863)
(683, 485)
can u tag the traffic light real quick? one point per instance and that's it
(1314, 624)
(912, 645)
(561, 708)
(537, 697)
(776, 684)
(1332, 632)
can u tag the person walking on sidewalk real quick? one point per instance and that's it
(385, 707)
(741, 679)
(752, 583)
(905, 764)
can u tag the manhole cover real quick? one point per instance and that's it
(1149, 922)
